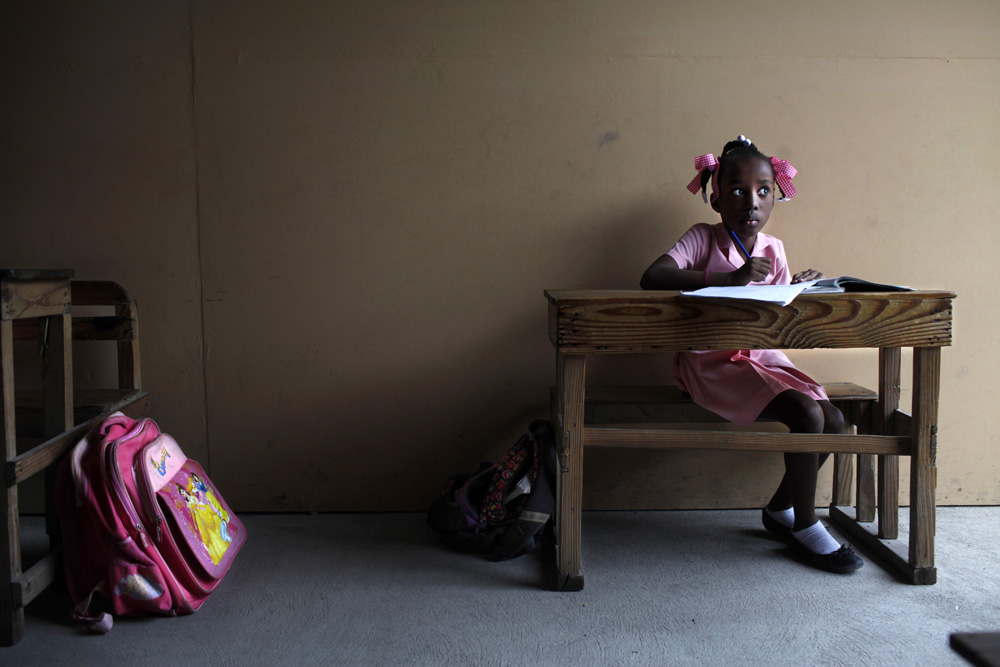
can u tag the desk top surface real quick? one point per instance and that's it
(616, 321)
(598, 295)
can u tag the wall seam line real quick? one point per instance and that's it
(197, 224)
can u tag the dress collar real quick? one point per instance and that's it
(729, 249)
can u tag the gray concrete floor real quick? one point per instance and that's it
(662, 588)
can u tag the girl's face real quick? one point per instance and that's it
(746, 196)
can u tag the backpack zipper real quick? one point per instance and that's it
(119, 487)
(146, 495)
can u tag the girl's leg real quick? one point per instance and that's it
(801, 414)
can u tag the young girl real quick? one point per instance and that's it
(742, 385)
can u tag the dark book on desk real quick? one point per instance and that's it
(849, 284)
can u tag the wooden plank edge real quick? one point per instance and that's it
(97, 328)
(34, 298)
(34, 580)
(38, 458)
(902, 423)
(883, 550)
(981, 649)
(669, 393)
(598, 436)
(575, 297)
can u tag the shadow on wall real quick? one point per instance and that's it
(440, 412)
(516, 367)
(438, 416)
(617, 247)
(625, 245)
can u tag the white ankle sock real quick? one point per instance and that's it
(817, 539)
(785, 517)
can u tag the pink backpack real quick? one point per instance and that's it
(142, 524)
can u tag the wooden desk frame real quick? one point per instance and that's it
(38, 305)
(582, 323)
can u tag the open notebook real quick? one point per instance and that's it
(785, 294)
(849, 284)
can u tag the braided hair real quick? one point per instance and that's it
(736, 150)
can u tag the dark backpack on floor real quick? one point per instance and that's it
(501, 508)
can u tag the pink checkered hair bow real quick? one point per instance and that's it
(701, 163)
(784, 173)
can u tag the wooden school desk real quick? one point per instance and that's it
(583, 323)
(37, 305)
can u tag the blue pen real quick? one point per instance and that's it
(740, 244)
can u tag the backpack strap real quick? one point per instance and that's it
(101, 623)
(517, 464)
(520, 536)
(116, 425)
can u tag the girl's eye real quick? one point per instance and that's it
(764, 191)
(738, 192)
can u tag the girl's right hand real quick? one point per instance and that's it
(755, 270)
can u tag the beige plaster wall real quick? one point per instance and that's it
(339, 218)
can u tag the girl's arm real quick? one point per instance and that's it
(664, 274)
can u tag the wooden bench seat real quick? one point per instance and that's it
(621, 406)
(86, 405)
(666, 404)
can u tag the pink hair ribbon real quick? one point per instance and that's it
(701, 163)
(784, 173)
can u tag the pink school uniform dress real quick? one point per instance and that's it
(735, 384)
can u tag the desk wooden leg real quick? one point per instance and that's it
(843, 468)
(888, 466)
(568, 421)
(864, 506)
(918, 566)
(58, 403)
(11, 618)
(923, 460)
(843, 464)
(866, 488)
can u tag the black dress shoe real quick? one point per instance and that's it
(772, 524)
(841, 561)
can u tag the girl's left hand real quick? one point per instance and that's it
(808, 274)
